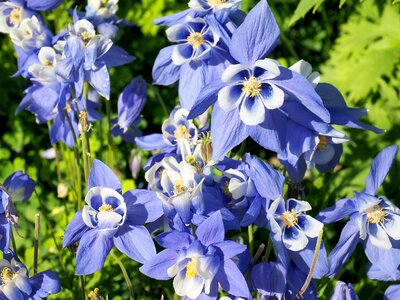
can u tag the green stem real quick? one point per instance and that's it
(13, 243)
(268, 250)
(36, 244)
(83, 293)
(126, 276)
(251, 245)
(314, 262)
(160, 99)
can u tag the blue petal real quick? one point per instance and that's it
(268, 181)
(344, 292)
(392, 292)
(230, 248)
(252, 111)
(135, 242)
(191, 82)
(157, 266)
(45, 284)
(227, 131)
(211, 230)
(165, 72)
(253, 212)
(379, 169)
(100, 80)
(142, 206)
(174, 240)
(5, 233)
(42, 5)
(116, 56)
(345, 247)
(75, 230)
(151, 142)
(341, 209)
(298, 86)
(206, 98)
(269, 279)
(256, 37)
(232, 280)
(93, 249)
(19, 186)
(101, 175)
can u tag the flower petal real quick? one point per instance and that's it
(230, 97)
(294, 239)
(252, 111)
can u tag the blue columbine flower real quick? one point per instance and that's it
(109, 219)
(130, 104)
(199, 265)
(19, 186)
(373, 219)
(12, 13)
(17, 285)
(392, 292)
(344, 291)
(256, 97)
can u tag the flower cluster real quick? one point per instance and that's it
(200, 193)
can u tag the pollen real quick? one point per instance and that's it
(226, 190)
(323, 142)
(7, 275)
(86, 36)
(47, 63)
(179, 187)
(376, 214)
(251, 87)
(106, 207)
(214, 3)
(289, 218)
(191, 270)
(181, 133)
(15, 16)
(196, 39)
(190, 159)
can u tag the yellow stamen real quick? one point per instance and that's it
(181, 133)
(323, 143)
(86, 36)
(47, 63)
(376, 214)
(179, 187)
(226, 190)
(15, 16)
(214, 3)
(196, 39)
(190, 159)
(106, 207)
(251, 87)
(289, 218)
(7, 275)
(191, 270)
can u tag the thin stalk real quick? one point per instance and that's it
(314, 262)
(160, 99)
(36, 244)
(250, 233)
(82, 280)
(14, 244)
(176, 296)
(110, 154)
(126, 276)
(268, 250)
(259, 251)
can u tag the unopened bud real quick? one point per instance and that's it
(206, 149)
(135, 163)
(62, 190)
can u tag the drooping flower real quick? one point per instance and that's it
(199, 265)
(17, 285)
(110, 218)
(130, 104)
(19, 186)
(373, 219)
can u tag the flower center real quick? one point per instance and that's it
(48, 63)
(227, 192)
(190, 159)
(323, 143)
(196, 39)
(251, 87)
(7, 275)
(106, 207)
(376, 214)
(181, 133)
(86, 36)
(214, 3)
(289, 218)
(179, 187)
(15, 16)
(191, 270)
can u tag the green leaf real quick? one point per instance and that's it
(303, 8)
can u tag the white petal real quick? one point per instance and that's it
(230, 97)
(237, 188)
(302, 67)
(177, 33)
(190, 287)
(294, 239)
(378, 236)
(273, 97)
(234, 73)
(270, 65)
(182, 54)
(252, 111)
(310, 226)
(392, 226)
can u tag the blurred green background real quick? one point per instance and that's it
(355, 45)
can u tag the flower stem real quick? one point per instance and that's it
(314, 262)
(82, 280)
(126, 276)
(36, 244)
(250, 232)
(110, 154)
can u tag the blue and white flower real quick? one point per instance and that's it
(109, 219)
